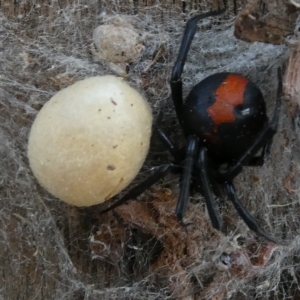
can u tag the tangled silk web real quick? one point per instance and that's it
(44, 245)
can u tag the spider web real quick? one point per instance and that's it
(45, 249)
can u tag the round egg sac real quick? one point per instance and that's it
(90, 140)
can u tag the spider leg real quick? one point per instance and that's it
(177, 153)
(264, 136)
(189, 33)
(185, 180)
(259, 160)
(245, 215)
(172, 148)
(207, 190)
(140, 188)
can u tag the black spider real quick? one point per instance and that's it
(225, 124)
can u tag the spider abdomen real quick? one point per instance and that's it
(226, 111)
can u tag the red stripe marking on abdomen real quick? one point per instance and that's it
(228, 95)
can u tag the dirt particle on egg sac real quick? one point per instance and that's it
(110, 167)
(113, 102)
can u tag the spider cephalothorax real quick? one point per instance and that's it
(225, 124)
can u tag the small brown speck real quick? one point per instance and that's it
(131, 104)
(99, 109)
(141, 143)
(92, 145)
(168, 192)
(108, 117)
(115, 146)
(113, 102)
(255, 179)
(110, 167)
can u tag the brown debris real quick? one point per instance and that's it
(291, 83)
(247, 262)
(110, 239)
(183, 247)
(265, 21)
(288, 179)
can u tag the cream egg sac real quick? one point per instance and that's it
(90, 140)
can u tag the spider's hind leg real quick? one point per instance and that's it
(188, 35)
(263, 138)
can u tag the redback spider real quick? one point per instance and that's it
(225, 124)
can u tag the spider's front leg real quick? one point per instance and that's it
(177, 153)
(245, 215)
(186, 176)
(197, 157)
(206, 190)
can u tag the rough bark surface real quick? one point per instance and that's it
(265, 21)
